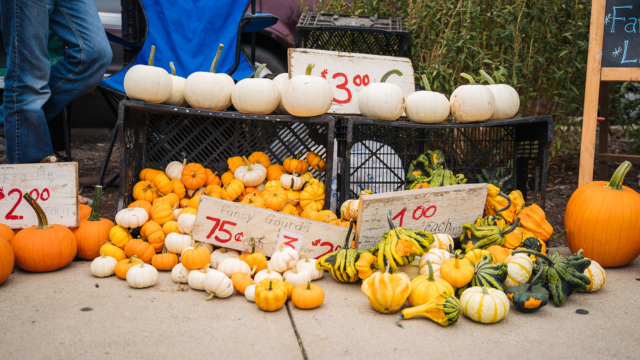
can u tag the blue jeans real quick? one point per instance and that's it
(34, 90)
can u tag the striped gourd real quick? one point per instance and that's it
(487, 274)
(476, 255)
(595, 273)
(444, 309)
(442, 242)
(437, 257)
(484, 305)
(519, 268)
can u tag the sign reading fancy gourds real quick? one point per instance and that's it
(232, 225)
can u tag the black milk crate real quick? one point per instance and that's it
(353, 33)
(153, 135)
(376, 154)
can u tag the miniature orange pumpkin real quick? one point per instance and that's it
(165, 260)
(312, 196)
(232, 190)
(123, 266)
(170, 227)
(94, 231)
(256, 261)
(148, 174)
(161, 213)
(212, 178)
(194, 202)
(154, 234)
(163, 183)
(295, 165)
(193, 176)
(145, 190)
(289, 208)
(309, 213)
(275, 171)
(275, 199)
(142, 249)
(256, 201)
(307, 296)
(178, 188)
(227, 177)
(326, 216)
(241, 281)
(261, 158)
(235, 162)
(214, 191)
(196, 257)
(143, 204)
(251, 191)
(316, 161)
(184, 203)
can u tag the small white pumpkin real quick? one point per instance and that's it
(177, 89)
(232, 265)
(255, 95)
(176, 243)
(180, 274)
(208, 90)
(218, 284)
(132, 217)
(252, 174)
(596, 274)
(266, 273)
(437, 257)
(307, 95)
(141, 276)
(310, 267)
(507, 100)
(219, 255)
(382, 101)
(296, 277)
(176, 212)
(484, 305)
(103, 266)
(520, 267)
(283, 259)
(470, 103)
(349, 210)
(250, 293)
(427, 107)
(442, 242)
(291, 182)
(174, 169)
(147, 82)
(196, 278)
(280, 83)
(186, 222)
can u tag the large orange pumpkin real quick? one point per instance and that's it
(44, 247)
(603, 219)
(94, 231)
(193, 176)
(7, 233)
(6, 259)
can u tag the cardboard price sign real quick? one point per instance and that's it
(53, 186)
(232, 225)
(349, 73)
(440, 210)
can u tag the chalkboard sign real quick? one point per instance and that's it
(621, 45)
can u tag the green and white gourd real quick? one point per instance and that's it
(519, 268)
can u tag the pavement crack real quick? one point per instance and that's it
(295, 331)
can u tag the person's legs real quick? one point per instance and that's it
(87, 56)
(25, 25)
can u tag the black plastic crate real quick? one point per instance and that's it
(353, 33)
(376, 154)
(153, 135)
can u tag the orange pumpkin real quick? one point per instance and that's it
(193, 176)
(170, 199)
(178, 188)
(235, 162)
(163, 183)
(309, 213)
(251, 191)
(499, 253)
(119, 236)
(194, 202)
(148, 174)
(256, 261)
(170, 227)
(326, 216)
(123, 266)
(6, 259)
(84, 212)
(188, 210)
(316, 161)
(145, 190)
(154, 234)
(275, 199)
(602, 219)
(261, 158)
(275, 171)
(312, 196)
(164, 260)
(143, 204)
(256, 201)
(195, 258)
(293, 196)
(184, 203)
(296, 165)
(289, 208)
(44, 247)
(227, 177)
(241, 281)
(8, 234)
(94, 231)
(214, 191)
(161, 213)
(142, 249)
(271, 185)
(232, 190)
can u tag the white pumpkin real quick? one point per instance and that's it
(250, 293)
(251, 175)
(177, 89)
(310, 266)
(196, 278)
(307, 95)
(132, 217)
(186, 222)
(382, 101)
(280, 83)
(176, 212)
(442, 242)
(296, 276)
(291, 182)
(596, 274)
(255, 95)
(180, 274)
(147, 82)
(427, 107)
(218, 284)
(174, 169)
(470, 103)
(142, 275)
(520, 267)
(437, 257)
(232, 265)
(205, 245)
(266, 273)
(261, 186)
(507, 100)
(103, 266)
(484, 305)
(208, 90)
(176, 243)
(349, 210)
(283, 259)
(219, 255)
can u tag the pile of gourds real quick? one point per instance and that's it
(429, 171)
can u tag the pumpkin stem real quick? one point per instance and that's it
(346, 243)
(559, 236)
(205, 268)
(270, 281)
(95, 207)
(389, 73)
(257, 74)
(390, 220)
(255, 267)
(616, 180)
(468, 77)
(539, 262)
(43, 223)
(173, 68)
(215, 59)
(456, 263)
(501, 194)
(281, 244)
(140, 261)
(484, 290)
(400, 317)
(102, 254)
(253, 245)
(164, 250)
(196, 246)
(535, 253)
(210, 296)
(295, 269)
(247, 161)
(425, 82)
(487, 77)
(152, 55)
(309, 285)
(513, 227)
(309, 68)
(430, 271)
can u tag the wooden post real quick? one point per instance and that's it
(603, 142)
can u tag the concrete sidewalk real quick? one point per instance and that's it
(69, 314)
